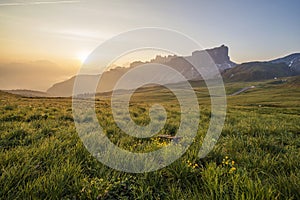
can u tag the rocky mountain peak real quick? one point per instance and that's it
(218, 54)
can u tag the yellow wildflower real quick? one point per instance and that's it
(232, 170)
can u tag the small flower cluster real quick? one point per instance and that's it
(193, 166)
(158, 142)
(227, 162)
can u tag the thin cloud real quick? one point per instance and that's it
(37, 3)
(81, 35)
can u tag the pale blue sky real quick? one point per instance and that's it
(254, 30)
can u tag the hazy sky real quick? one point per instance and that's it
(63, 32)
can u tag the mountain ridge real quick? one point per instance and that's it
(183, 64)
(285, 66)
(261, 70)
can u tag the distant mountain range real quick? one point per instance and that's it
(230, 71)
(183, 65)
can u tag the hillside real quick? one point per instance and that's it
(255, 71)
(293, 61)
(28, 93)
(256, 157)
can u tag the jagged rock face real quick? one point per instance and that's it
(219, 54)
(202, 60)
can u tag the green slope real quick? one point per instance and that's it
(255, 71)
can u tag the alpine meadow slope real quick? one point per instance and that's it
(256, 156)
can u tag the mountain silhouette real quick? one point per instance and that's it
(230, 71)
(184, 65)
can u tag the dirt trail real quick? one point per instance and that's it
(242, 90)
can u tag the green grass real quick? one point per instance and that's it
(42, 157)
(254, 71)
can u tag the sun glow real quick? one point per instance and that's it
(82, 56)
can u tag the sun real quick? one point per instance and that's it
(82, 56)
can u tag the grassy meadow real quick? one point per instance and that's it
(256, 156)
